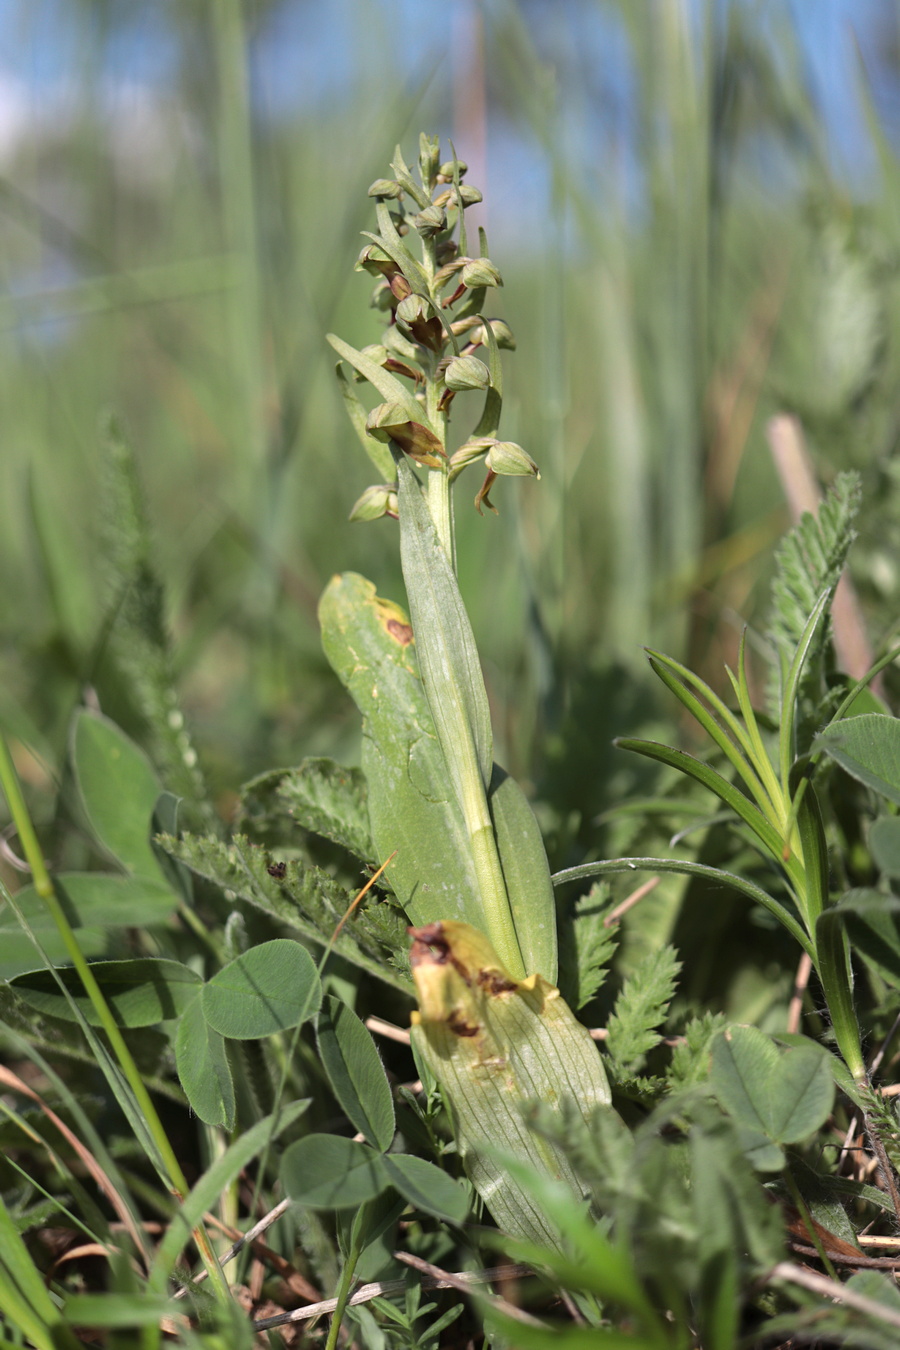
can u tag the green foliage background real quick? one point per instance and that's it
(676, 271)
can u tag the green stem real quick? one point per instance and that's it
(345, 1283)
(44, 887)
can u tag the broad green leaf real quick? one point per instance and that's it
(526, 873)
(775, 1097)
(495, 1045)
(320, 795)
(140, 993)
(98, 900)
(18, 954)
(868, 748)
(445, 644)
(884, 842)
(202, 1063)
(267, 989)
(427, 1187)
(215, 1181)
(305, 898)
(355, 1072)
(326, 1171)
(118, 789)
(369, 643)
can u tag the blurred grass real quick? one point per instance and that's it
(680, 262)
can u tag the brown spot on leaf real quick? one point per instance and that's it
(492, 982)
(460, 1027)
(400, 632)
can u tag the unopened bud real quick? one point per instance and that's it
(412, 309)
(384, 419)
(470, 453)
(385, 187)
(430, 221)
(506, 457)
(391, 422)
(446, 169)
(470, 196)
(374, 260)
(467, 372)
(377, 501)
(480, 272)
(502, 335)
(429, 157)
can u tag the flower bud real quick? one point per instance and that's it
(374, 260)
(431, 221)
(412, 309)
(470, 453)
(384, 419)
(377, 501)
(400, 287)
(446, 170)
(467, 372)
(480, 272)
(506, 457)
(429, 157)
(391, 422)
(385, 187)
(502, 335)
(469, 196)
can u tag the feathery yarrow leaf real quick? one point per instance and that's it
(640, 1009)
(810, 560)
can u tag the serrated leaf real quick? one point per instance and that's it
(427, 1187)
(203, 1069)
(325, 1171)
(809, 562)
(355, 1072)
(868, 748)
(137, 636)
(592, 942)
(305, 898)
(640, 1009)
(118, 789)
(775, 1097)
(270, 988)
(692, 1057)
(318, 794)
(140, 993)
